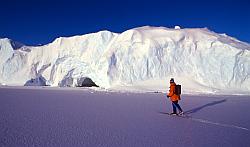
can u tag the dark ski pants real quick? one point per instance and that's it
(175, 104)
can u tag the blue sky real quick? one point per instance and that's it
(41, 21)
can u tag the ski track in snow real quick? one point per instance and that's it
(35, 116)
(219, 124)
(214, 123)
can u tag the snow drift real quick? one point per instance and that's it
(140, 58)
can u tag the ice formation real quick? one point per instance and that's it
(139, 58)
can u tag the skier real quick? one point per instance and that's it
(174, 98)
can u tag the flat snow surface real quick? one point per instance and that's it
(84, 117)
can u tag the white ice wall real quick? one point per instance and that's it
(199, 59)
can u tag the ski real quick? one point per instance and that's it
(179, 115)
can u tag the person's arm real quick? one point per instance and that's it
(171, 91)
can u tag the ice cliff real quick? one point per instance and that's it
(142, 58)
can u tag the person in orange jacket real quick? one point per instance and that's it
(174, 98)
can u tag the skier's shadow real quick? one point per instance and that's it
(204, 106)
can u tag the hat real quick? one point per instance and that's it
(172, 80)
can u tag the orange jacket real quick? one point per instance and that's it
(171, 94)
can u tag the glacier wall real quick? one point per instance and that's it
(199, 59)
